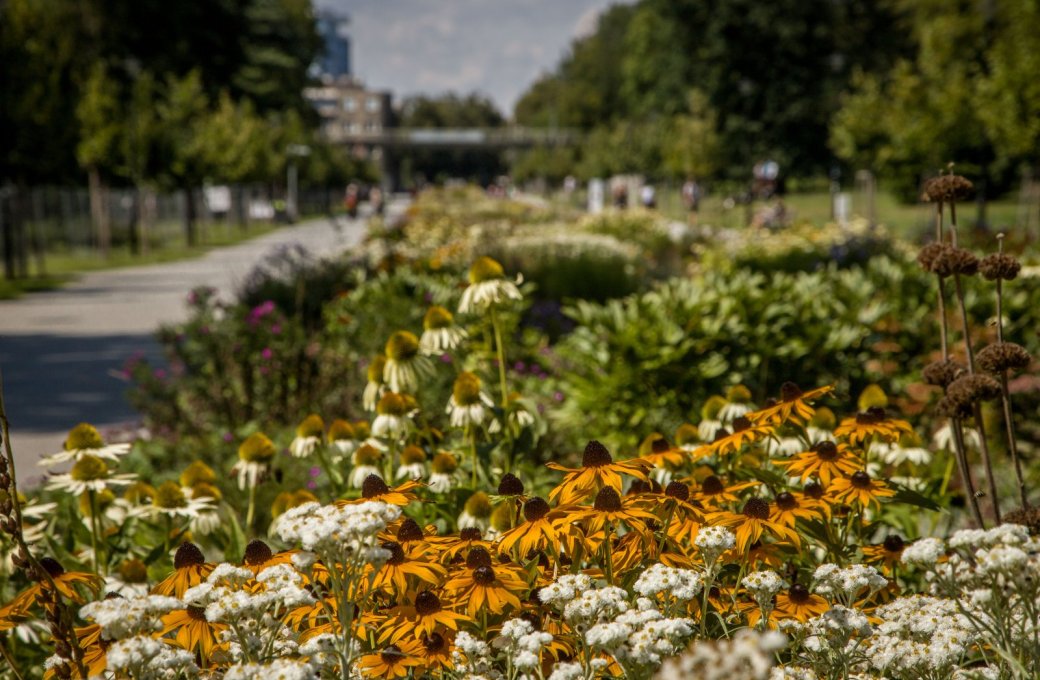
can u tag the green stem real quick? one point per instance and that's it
(608, 556)
(252, 507)
(92, 498)
(501, 351)
(471, 431)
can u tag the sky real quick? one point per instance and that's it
(495, 47)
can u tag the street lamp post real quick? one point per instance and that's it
(293, 151)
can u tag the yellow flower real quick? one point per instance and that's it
(191, 631)
(309, 435)
(484, 584)
(793, 406)
(860, 488)
(873, 422)
(598, 469)
(824, 459)
(542, 528)
(189, 570)
(888, 553)
(751, 523)
(394, 661)
(404, 364)
(488, 287)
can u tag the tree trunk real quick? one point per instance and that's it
(241, 206)
(99, 212)
(7, 227)
(133, 228)
(190, 231)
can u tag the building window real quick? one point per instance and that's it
(349, 104)
(372, 104)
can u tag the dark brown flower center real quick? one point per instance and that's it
(893, 543)
(741, 423)
(786, 501)
(535, 509)
(678, 490)
(660, 445)
(720, 434)
(756, 508)
(478, 557)
(798, 593)
(257, 552)
(410, 531)
(373, 486)
(196, 613)
(470, 534)
(789, 391)
(814, 490)
(596, 455)
(873, 415)
(427, 603)
(434, 643)
(712, 485)
(510, 485)
(484, 576)
(860, 480)
(396, 552)
(188, 555)
(607, 500)
(391, 655)
(825, 450)
(52, 566)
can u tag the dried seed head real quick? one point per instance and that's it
(946, 188)
(953, 409)
(999, 266)
(1027, 517)
(942, 372)
(928, 255)
(1002, 356)
(510, 485)
(971, 389)
(963, 262)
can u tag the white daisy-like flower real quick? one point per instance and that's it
(468, 405)
(405, 366)
(375, 387)
(342, 437)
(84, 440)
(738, 403)
(943, 438)
(392, 419)
(88, 473)
(129, 580)
(897, 453)
(442, 479)
(170, 500)
(413, 463)
(488, 287)
(518, 416)
(476, 513)
(254, 460)
(440, 334)
(366, 461)
(310, 434)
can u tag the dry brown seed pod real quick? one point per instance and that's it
(964, 262)
(928, 254)
(942, 372)
(951, 409)
(999, 266)
(971, 389)
(946, 188)
(1001, 356)
(1027, 517)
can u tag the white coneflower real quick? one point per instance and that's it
(309, 435)
(440, 334)
(254, 460)
(366, 461)
(519, 415)
(443, 476)
(84, 440)
(171, 501)
(468, 404)
(738, 403)
(342, 437)
(943, 438)
(907, 450)
(392, 418)
(687, 438)
(476, 513)
(711, 423)
(88, 473)
(488, 286)
(129, 580)
(208, 520)
(375, 386)
(821, 427)
(412, 465)
(405, 366)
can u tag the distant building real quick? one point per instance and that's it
(350, 113)
(334, 61)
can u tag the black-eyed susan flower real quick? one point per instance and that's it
(793, 406)
(488, 287)
(442, 477)
(462, 544)
(405, 365)
(440, 332)
(375, 386)
(799, 604)
(189, 629)
(392, 416)
(468, 406)
(677, 514)
(310, 434)
(189, 569)
(95, 651)
(85, 440)
(484, 584)
(598, 469)
(393, 661)
(375, 489)
(751, 523)
(88, 473)
(610, 509)
(412, 464)
(398, 569)
(435, 651)
(742, 434)
(426, 615)
(542, 528)
(888, 553)
(825, 460)
(859, 488)
(713, 492)
(787, 510)
(476, 512)
(72, 585)
(255, 454)
(872, 423)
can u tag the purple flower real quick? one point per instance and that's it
(315, 472)
(519, 367)
(312, 485)
(558, 396)
(276, 329)
(160, 373)
(266, 353)
(228, 437)
(260, 311)
(446, 358)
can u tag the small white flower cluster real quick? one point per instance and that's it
(847, 583)
(763, 585)
(471, 655)
(660, 579)
(145, 658)
(747, 656)
(835, 634)
(641, 637)
(924, 552)
(524, 644)
(279, 669)
(339, 535)
(1005, 534)
(919, 636)
(121, 618)
(593, 606)
(712, 542)
(564, 589)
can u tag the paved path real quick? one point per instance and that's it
(61, 351)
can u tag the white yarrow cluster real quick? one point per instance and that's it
(747, 656)
(339, 535)
(660, 579)
(713, 541)
(145, 658)
(524, 644)
(919, 636)
(121, 618)
(640, 637)
(847, 583)
(763, 586)
(923, 552)
(279, 669)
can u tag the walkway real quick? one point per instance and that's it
(61, 351)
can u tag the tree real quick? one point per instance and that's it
(694, 147)
(180, 113)
(452, 111)
(99, 116)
